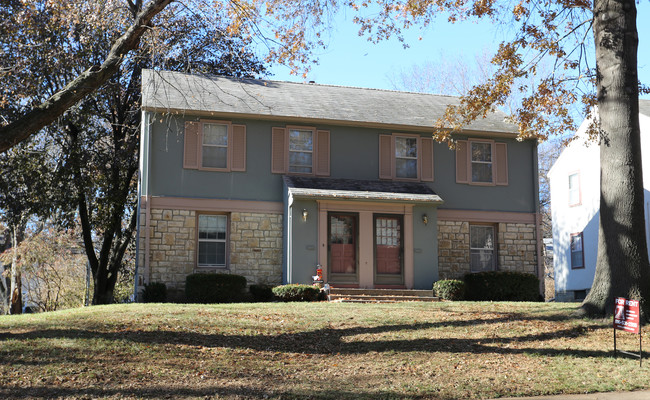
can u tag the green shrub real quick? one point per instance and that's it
(296, 292)
(214, 288)
(450, 289)
(502, 286)
(261, 292)
(154, 292)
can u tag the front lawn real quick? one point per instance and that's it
(448, 350)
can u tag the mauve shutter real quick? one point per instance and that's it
(462, 155)
(238, 162)
(279, 150)
(323, 153)
(191, 149)
(501, 163)
(427, 160)
(385, 157)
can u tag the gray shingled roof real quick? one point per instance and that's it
(357, 189)
(205, 94)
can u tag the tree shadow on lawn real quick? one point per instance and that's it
(333, 340)
(208, 391)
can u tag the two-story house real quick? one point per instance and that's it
(575, 204)
(270, 179)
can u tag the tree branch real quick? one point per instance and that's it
(52, 108)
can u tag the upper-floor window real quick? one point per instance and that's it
(574, 189)
(214, 153)
(481, 162)
(212, 240)
(300, 150)
(405, 156)
(214, 146)
(577, 253)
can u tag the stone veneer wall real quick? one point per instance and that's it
(255, 248)
(516, 249)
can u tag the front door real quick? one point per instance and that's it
(342, 247)
(389, 250)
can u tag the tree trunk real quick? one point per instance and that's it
(622, 267)
(16, 279)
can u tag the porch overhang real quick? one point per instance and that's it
(299, 187)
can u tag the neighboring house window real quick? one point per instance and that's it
(577, 253)
(403, 156)
(406, 157)
(300, 150)
(482, 248)
(214, 146)
(213, 240)
(574, 189)
(481, 162)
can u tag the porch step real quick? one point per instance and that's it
(347, 295)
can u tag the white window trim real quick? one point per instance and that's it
(226, 241)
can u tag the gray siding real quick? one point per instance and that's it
(354, 154)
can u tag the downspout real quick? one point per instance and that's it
(538, 223)
(143, 148)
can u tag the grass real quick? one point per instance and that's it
(448, 350)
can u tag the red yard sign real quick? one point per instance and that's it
(626, 315)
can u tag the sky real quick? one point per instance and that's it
(351, 60)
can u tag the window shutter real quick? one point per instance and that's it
(462, 157)
(385, 157)
(192, 145)
(501, 164)
(427, 160)
(238, 143)
(323, 153)
(279, 150)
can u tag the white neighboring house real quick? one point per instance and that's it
(575, 204)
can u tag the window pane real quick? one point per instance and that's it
(215, 134)
(300, 140)
(300, 162)
(215, 157)
(208, 253)
(576, 243)
(406, 168)
(482, 260)
(481, 172)
(576, 259)
(482, 152)
(211, 226)
(482, 254)
(406, 147)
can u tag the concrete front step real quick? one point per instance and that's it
(380, 295)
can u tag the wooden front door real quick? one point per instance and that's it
(389, 250)
(342, 244)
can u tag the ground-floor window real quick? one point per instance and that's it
(482, 248)
(212, 240)
(577, 255)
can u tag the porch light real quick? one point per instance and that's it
(305, 214)
(425, 219)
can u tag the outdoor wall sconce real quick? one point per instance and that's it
(305, 214)
(425, 219)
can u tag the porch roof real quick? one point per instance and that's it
(358, 189)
